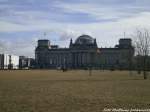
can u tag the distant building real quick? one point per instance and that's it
(84, 53)
(9, 61)
(26, 63)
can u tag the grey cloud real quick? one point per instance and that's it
(3, 46)
(19, 47)
(56, 11)
(69, 33)
(106, 10)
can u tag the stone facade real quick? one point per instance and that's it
(84, 53)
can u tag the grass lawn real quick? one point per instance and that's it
(72, 91)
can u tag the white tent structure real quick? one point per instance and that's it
(9, 61)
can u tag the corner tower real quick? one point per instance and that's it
(44, 43)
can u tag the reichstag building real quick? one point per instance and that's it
(84, 53)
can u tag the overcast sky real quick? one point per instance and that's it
(23, 22)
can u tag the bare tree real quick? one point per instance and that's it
(142, 45)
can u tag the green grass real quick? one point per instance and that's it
(72, 91)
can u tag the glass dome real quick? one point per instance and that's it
(84, 39)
